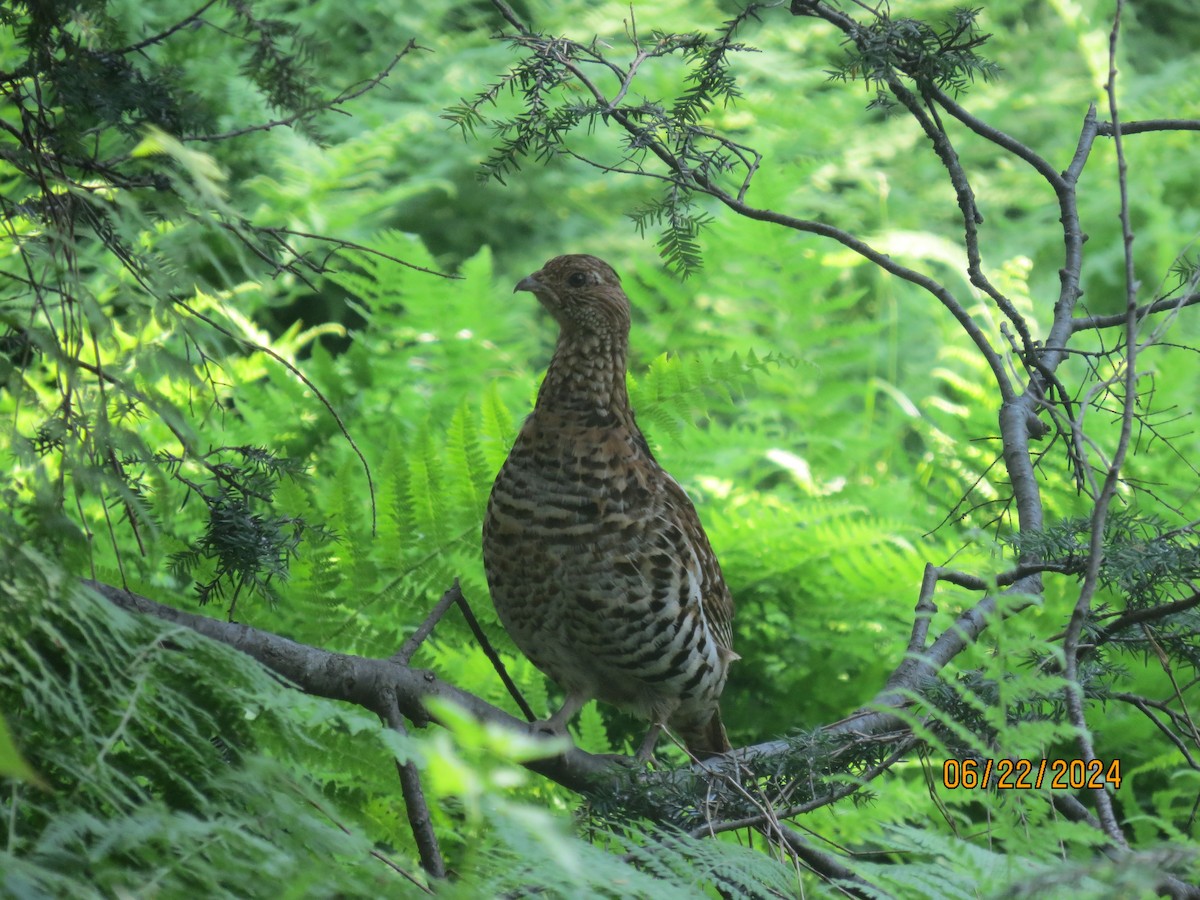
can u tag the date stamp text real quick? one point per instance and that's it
(1030, 774)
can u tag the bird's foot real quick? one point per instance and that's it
(645, 752)
(622, 760)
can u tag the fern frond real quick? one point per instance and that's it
(465, 450)
(673, 393)
(155, 742)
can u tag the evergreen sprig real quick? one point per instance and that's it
(679, 244)
(108, 301)
(246, 548)
(1145, 562)
(548, 80)
(934, 57)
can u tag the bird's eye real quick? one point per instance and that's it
(577, 279)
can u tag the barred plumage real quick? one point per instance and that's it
(598, 565)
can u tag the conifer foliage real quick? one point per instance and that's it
(919, 342)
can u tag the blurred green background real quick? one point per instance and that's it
(833, 424)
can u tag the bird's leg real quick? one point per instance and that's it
(557, 723)
(646, 751)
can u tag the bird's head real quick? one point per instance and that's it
(583, 294)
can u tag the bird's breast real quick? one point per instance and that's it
(554, 485)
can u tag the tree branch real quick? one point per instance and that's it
(345, 96)
(1111, 129)
(691, 179)
(392, 690)
(1142, 616)
(1079, 615)
(372, 684)
(419, 820)
(1164, 304)
(163, 35)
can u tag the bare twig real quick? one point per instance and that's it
(511, 17)
(419, 819)
(163, 35)
(406, 651)
(342, 244)
(999, 138)
(1071, 642)
(1165, 304)
(1145, 706)
(1111, 129)
(924, 613)
(345, 96)
(494, 657)
(304, 379)
(382, 857)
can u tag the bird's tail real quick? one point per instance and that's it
(707, 739)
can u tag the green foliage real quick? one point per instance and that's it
(1145, 562)
(679, 245)
(674, 391)
(552, 114)
(1146, 566)
(164, 758)
(934, 58)
(645, 862)
(120, 298)
(935, 865)
(12, 764)
(833, 428)
(246, 548)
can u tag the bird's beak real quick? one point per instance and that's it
(528, 283)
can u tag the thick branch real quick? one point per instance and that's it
(392, 690)
(369, 683)
(1142, 616)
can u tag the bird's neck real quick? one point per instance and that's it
(586, 377)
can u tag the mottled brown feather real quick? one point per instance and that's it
(596, 560)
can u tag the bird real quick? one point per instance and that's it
(597, 563)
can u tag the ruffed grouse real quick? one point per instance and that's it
(597, 563)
